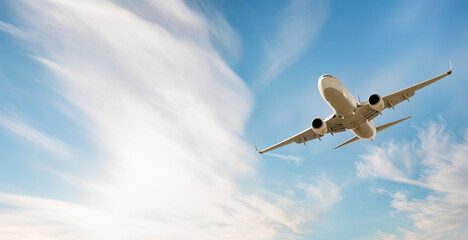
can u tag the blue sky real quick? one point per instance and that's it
(136, 120)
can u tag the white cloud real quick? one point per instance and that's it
(220, 29)
(325, 192)
(11, 29)
(295, 159)
(442, 164)
(299, 25)
(165, 113)
(17, 125)
(384, 236)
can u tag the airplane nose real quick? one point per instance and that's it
(326, 76)
(323, 78)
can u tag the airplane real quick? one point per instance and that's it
(350, 114)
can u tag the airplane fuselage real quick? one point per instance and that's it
(344, 104)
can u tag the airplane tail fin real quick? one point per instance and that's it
(383, 127)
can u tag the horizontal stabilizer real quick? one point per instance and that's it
(380, 128)
(354, 139)
(383, 127)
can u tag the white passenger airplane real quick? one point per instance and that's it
(351, 114)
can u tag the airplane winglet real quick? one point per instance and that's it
(256, 149)
(450, 72)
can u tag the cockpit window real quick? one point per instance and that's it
(326, 75)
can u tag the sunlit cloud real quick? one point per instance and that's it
(443, 164)
(165, 114)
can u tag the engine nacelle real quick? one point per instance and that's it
(319, 126)
(376, 102)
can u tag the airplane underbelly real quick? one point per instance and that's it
(366, 130)
(338, 101)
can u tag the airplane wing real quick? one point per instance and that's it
(333, 123)
(391, 100)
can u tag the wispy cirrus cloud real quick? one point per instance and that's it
(11, 29)
(442, 164)
(165, 114)
(324, 191)
(289, 158)
(14, 123)
(298, 26)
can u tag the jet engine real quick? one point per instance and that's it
(319, 126)
(376, 102)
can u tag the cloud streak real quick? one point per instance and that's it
(16, 125)
(11, 29)
(295, 159)
(299, 25)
